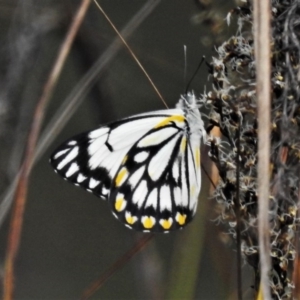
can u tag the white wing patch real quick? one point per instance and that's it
(184, 184)
(165, 198)
(93, 183)
(160, 160)
(136, 176)
(60, 153)
(81, 178)
(73, 169)
(95, 134)
(140, 157)
(72, 143)
(175, 171)
(152, 199)
(177, 196)
(68, 158)
(140, 193)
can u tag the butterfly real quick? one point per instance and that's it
(147, 166)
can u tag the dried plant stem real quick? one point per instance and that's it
(261, 16)
(131, 53)
(22, 185)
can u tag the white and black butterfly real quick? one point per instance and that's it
(147, 166)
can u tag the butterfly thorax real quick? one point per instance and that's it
(188, 103)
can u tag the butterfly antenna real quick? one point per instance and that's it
(185, 64)
(131, 52)
(194, 75)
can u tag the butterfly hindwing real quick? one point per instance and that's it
(152, 189)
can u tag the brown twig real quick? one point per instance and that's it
(90, 291)
(262, 42)
(22, 186)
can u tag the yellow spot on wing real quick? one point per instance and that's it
(129, 218)
(166, 224)
(166, 121)
(121, 176)
(193, 190)
(148, 222)
(180, 218)
(197, 157)
(183, 144)
(120, 204)
(124, 159)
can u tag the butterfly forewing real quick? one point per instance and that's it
(72, 160)
(91, 159)
(147, 166)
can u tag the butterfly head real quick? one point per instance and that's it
(189, 104)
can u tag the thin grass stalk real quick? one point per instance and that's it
(262, 42)
(16, 223)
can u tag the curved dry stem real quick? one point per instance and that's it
(22, 184)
